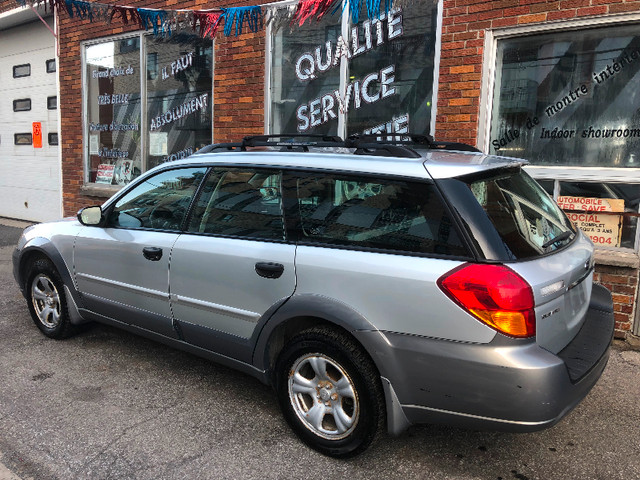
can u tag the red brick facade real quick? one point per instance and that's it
(623, 284)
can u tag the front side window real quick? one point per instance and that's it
(240, 203)
(375, 213)
(159, 203)
(378, 78)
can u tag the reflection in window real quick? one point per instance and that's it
(179, 80)
(52, 103)
(160, 203)
(376, 213)
(386, 86)
(22, 139)
(21, 70)
(53, 138)
(112, 71)
(240, 203)
(569, 98)
(51, 65)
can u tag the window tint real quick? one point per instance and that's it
(160, 202)
(240, 203)
(523, 214)
(375, 213)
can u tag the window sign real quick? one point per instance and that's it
(569, 98)
(113, 110)
(173, 86)
(602, 229)
(378, 78)
(179, 86)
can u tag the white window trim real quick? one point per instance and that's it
(600, 174)
(344, 68)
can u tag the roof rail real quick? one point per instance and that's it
(217, 147)
(407, 139)
(291, 141)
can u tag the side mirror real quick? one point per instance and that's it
(90, 216)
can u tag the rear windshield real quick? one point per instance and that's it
(527, 220)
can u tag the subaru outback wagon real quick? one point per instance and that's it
(373, 284)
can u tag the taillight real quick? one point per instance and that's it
(495, 295)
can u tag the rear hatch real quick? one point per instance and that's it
(511, 220)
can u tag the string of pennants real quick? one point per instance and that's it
(208, 22)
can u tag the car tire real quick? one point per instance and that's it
(330, 392)
(47, 301)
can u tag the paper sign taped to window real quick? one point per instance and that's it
(105, 173)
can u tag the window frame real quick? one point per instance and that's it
(22, 65)
(55, 107)
(22, 109)
(23, 134)
(144, 119)
(489, 72)
(48, 63)
(50, 136)
(345, 28)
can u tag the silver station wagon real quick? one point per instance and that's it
(374, 284)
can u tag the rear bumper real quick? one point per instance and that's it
(507, 384)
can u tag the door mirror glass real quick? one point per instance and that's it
(90, 216)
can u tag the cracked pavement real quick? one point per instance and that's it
(106, 404)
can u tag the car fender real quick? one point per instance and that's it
(304, 306)
(44, 246)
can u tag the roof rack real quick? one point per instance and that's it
(292, 141)
(397, 145)
(407, 139)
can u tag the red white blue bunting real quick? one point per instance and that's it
(207, 22)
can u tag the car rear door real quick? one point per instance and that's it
(234, 263)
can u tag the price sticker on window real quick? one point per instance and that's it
(37, 134)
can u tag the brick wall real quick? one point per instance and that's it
(238, 95)
(463, 30)
(623, 284)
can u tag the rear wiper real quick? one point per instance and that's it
(558, 238)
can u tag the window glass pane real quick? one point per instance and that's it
(160, 202)
(179, 85)
(53, 138)
(22, 139)
(304, 78)
(21, 70)
(51, 66)
(569, 98)
(240, 203)
(526, 218)
(375, 213)
(52, 103)
(22, 105)
(394, 78)
(585, 201)
(113, 111)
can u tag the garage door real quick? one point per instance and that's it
(29, 177)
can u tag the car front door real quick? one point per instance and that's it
(122, 268)
(233, 264)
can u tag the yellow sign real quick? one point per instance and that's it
(602, 229)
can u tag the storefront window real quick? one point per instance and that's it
(377, 79)
(570, 99)
(112, 75)
(179, 79)
(134, 121)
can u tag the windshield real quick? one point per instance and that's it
(528, 221)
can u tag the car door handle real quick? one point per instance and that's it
(152, 253)
(269, 270)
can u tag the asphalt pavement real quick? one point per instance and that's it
(106, 404)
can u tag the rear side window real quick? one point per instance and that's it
(240, 203)
(377, 213)
(525, 217)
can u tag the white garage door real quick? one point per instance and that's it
(29, 177)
